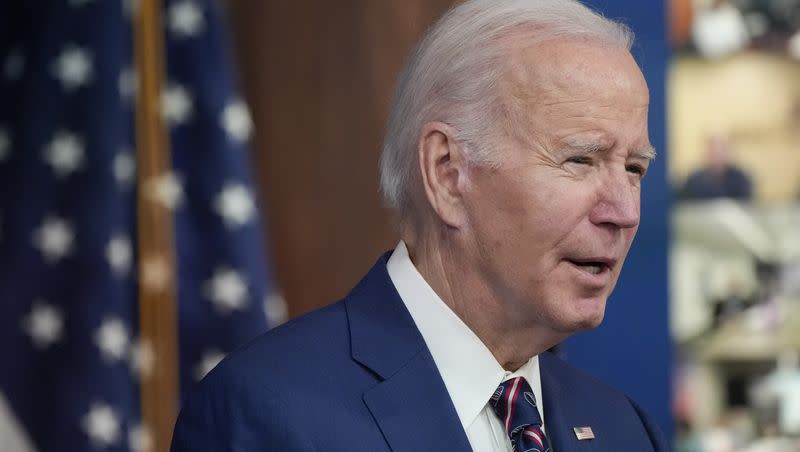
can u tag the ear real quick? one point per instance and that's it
(444, 170)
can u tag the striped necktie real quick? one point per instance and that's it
(515, 405)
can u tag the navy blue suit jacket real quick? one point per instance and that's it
(357, 376)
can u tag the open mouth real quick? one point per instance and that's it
(591, 266)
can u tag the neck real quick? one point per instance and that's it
(456, 279)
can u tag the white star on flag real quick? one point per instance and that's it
(156, 274)
(54, 238)
(112, 339)
(185, 19)
(235, 205)
(275, 309)
(142, 358)
(166, 189)
(124, 168)
(73, 67)
(227, 290)
(119, 254)
(65, 153)
(236, 120)
(139, 439)
(209, 361)
(5, 144)
(44, 324)
(127, 83)
(101, 423)
(176, 105)
(14, 65)
(130, 7)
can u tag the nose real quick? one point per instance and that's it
(617, 202)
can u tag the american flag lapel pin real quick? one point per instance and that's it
(583, 433)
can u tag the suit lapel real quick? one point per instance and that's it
(562, 415)
(575, 400)
(411, 404)
(414, 410)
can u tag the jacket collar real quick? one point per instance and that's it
(573, 401)
(410, 403)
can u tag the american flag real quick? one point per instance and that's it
(583, 433)
(68, 182)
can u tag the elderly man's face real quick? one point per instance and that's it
(550, 228)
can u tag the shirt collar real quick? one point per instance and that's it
(469, 370)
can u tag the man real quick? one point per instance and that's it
(514, 156)
(719, 177)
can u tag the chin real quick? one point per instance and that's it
(588, 315)
(591, 323)
(578, 324)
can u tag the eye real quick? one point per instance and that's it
(637, 169)
(580, 160)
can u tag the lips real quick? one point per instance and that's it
(597, 268)
(591, 267)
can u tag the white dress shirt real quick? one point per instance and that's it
(469, 370)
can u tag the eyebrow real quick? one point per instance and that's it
(583, 146)
(648, 153)
(591, 147)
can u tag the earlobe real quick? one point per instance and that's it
(443, 167)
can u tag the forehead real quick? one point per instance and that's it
(572, 88)
(562, 70)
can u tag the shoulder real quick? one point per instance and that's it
(289, 350)
(244, 400)
(576, 391)
(575, 384)
(573, 379)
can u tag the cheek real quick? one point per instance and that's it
(525, 216)
(562, 206)
(539, 221)
(629, 235)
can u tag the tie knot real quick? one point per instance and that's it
(515, 405)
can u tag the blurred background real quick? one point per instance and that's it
(178, 176)
(734, 165)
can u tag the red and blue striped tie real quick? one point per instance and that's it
(515, 405)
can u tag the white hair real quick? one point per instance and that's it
(453, 74)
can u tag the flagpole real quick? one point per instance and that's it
(157, 276)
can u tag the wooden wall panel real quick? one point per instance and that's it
(318, 76)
